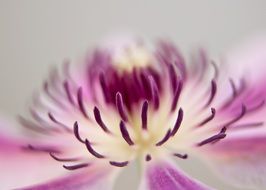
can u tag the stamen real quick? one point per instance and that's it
(58, 122)
(81, 104)
(182, 156)
(32, 126)
(233, 86)
(68, 93)
(235, 92)
(173, 77)
(51, 96)
(125, 134)
(165, 138)
(76, 132)
(243, 112)
(154, 92)
(63, 159)
(213, 138)
(246, 125)
(104, 86)
(178, 122)
(77, 166)
(208, 119)
(92, 151)
(144, 114)
(98, 118)
(148, 158)
(213, 93)
(41, 149)
(216, 70)
(119, 164)
(120, 106)
(256, 107)
(176, 95)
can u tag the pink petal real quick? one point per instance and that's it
(20, 167)
(240, 159)
(92, 179)
(166, 176)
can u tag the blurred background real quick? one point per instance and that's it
(34, 35)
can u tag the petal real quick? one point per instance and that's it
(92, 179)
(20, 167)
(164, 175)
(240, 158)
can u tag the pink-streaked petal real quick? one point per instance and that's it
(240, 158)
(164, 175)
(88, 179)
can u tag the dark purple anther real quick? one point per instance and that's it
(81, 103)
(242, 113)
(154, 92)
(178, 122)
(77, 166)
(208, 119)
(92, 151)
(173, 77)
(119, 164)
(182, 156)
(212, 139)
(176, 95)
(98, 118)
(76, 132)
(125, 134)
(148, 158)
(51, 116)
(120, 106)
(165, 138)
(63, 159)
(68, 93)
(213, 93)
(144, 114)
(104, 87)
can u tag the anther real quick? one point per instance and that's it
(182, 156)
(41, 149)
(77, 166)
(81, 103)
(176, 95)
(120, 106)
(125, 134)
(148, 158)
(212, 139)
(144, 114)
(154, 92)
(68, 93)
(63, 159)
(213, 93)
(178, 122)
(104, 86)
(119, 164)
(92, 151)
(216, 70)
(51, 116)
(243, 112)
(76, 132)
(165, 138)
(208, 119)
(173, 77)
(98, 118)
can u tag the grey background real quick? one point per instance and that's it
(36, 34)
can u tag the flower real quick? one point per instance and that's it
(128, 102)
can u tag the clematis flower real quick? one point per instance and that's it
(129, 103)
